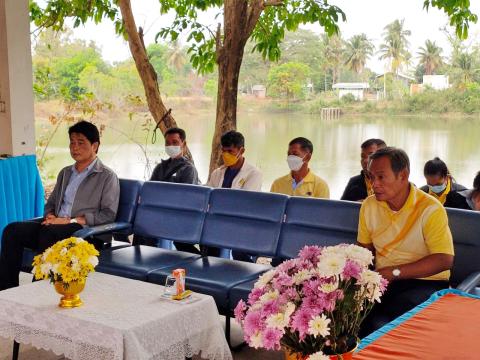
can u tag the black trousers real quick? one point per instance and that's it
(400, 297)
(28, 234)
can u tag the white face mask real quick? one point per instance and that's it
(173, 151)
(295, 163)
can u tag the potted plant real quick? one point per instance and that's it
(67, 264)
(312, 306)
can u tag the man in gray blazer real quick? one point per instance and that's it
(86, 194)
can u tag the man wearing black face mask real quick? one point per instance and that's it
(301, 181)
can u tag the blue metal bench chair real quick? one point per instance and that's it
(465, 228)
(308, 222)
(240, 220)
(166, 212)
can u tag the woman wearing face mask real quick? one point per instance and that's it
(301, 181)
(439, 181)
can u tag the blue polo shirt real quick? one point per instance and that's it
(73, 183)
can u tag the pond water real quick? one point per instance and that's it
(336, 155)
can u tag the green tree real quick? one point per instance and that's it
(288, 80)
(395, 45)
(358, 49)
(57, 63)
(430, 57)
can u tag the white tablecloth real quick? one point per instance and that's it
(120, 319)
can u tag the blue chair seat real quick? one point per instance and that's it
(135, 262)
(240, 292)
(213, 276)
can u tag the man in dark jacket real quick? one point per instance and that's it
(466, 199)
(178, 169)
(359, 187)
(86, 194)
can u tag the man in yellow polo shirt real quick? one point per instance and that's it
(407, 230)
(301, 181)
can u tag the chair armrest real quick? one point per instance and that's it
(101, 229)
(37, 219)
(470, 282)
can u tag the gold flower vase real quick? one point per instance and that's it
(298, 356)
(70, 298)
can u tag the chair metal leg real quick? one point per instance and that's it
(16, 349)
(228, 330)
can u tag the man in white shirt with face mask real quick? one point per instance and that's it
(301, 181)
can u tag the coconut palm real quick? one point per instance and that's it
(358, 49)
(430, 57)
(333, 54)
(467, 67)
(176, 56)
(395, 46)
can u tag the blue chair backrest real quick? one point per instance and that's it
(129, 194)
(244, 220)
(319, 222)
(465, 228)
(170, 211)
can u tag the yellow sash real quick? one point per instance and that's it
(368, 184)
(419, 208)
(442, 197)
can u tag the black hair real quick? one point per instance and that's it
(398, 158)
(367, 143)
(233, 138)
(87, 129)
(304, 143)
(176, 130)
(476, 182)
(435, 167)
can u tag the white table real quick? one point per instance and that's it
(120, 319)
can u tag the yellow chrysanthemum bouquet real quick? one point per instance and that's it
(67, 261)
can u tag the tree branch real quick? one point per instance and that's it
(219, 50)
(273, 3)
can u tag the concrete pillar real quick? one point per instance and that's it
(17, 124)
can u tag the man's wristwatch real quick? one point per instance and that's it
(73, 221)
(396, 272)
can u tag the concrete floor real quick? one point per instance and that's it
(30, 353)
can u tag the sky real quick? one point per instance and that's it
(363, 16)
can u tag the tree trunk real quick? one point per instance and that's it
(240, 18)
(146, 71)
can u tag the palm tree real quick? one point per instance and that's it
(333, 54)
(430, 57)
(358, 49)
(465, 63)
(395, 46)
(176, 56)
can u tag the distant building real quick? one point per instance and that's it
(259, 91)
(355, 89)
(405, 79)
(437, 82)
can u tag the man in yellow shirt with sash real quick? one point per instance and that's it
(407, 230)
(301, 181)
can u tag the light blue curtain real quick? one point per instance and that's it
(21, 190)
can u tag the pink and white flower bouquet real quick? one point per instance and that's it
(314, 304)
